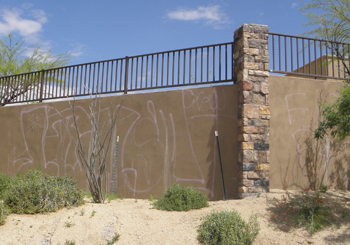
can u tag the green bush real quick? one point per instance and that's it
(3, 213)
(227, 228)
(38, 193)
(178, 198)
(5, 181)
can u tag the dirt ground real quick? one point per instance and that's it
(138, 223)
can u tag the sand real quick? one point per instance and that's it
(138, 223)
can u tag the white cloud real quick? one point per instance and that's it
(77, 50)
(295, 4)
(11, 21)
(212, 15)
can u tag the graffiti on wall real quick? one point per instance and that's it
(155, 137)
(302, 124)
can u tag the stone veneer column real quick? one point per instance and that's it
(251, 69)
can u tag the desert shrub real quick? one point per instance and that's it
(227, 227)
(5, 182)
(178, 198)
(3, 213)
(35, 192)
(308, 210)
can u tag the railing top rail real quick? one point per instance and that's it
(309, 38)
(116, 59)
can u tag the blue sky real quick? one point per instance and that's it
(107, 29)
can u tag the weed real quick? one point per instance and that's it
(68, 224)
(306, 210)
(151, 198)
(114, 239)
(178, 198)
(93, 213)
(323, 189)
(3, 213)
(135, 200)
(36, 192)
(5, 182)
(31, 226)
(227, 227)
(69, 242)
(82, 212)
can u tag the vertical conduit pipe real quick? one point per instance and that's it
(115, 164)
(222, 174)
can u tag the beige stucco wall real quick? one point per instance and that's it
(295, 154)
(166, 136)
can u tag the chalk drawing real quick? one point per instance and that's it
(43, 130)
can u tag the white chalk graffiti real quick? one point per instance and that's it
(302, 126)
(150, 142)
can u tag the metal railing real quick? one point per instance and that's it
(295, 55)
(181, 67)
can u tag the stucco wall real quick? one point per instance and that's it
(295, 155)
(166, 136)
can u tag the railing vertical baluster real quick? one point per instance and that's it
(184, 71)
(111, 78)
(116, 76)
(285, 51)
(208, 79)
(137, 73)
(132, 73)
(141, 70)
(147, 71)
(279, 52)
(167, 70)
(81, 79)
(220, 63)
(178, 68)
(201, 65)
(291, 56)
(162, 78)
(195, 66)
(303, 54)
(121, 75)
(157, 65)
(107, 73)
(173, 73)
(190, 61)
(126, 75)
(315, 51)
(309, 51)
(102, 71)
(213, 63)
(152, 61)
(42, 85)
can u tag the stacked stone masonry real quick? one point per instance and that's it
(251, 69)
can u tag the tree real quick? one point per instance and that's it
(17, 58)
(336, 117)
(332, 21)
(94, 156)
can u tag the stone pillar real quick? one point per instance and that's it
(251, 69)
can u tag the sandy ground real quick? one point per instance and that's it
(138, 223)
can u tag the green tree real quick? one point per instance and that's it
(17, 58)
(336, 117)
(331, 19)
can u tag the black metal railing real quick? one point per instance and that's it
(182, 67)
(312, 57)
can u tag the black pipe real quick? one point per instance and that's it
(222, 173)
